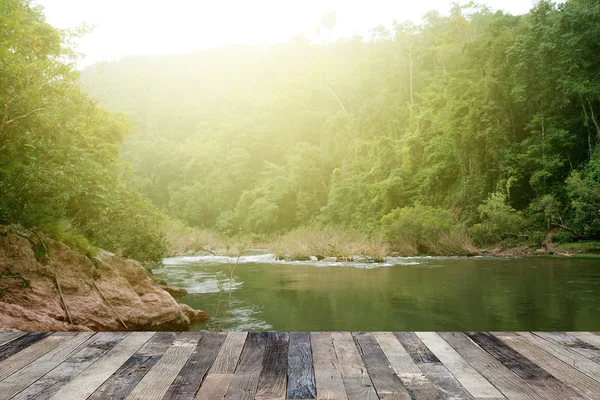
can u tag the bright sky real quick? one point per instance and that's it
(136, 27)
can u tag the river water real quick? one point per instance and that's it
(401, 294)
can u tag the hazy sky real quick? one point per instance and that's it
(127, 27)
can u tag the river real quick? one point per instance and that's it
(401, 294)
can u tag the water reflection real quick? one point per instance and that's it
(429, 293)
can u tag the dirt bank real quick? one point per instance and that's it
(105, 293)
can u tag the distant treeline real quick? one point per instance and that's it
(478, 123)
(480, 119)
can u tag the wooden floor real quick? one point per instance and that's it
(300, 365)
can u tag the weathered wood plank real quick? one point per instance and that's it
(273, 377)
(544, 383)
(6, 337)
(412, 377)
(244, 383)
(14, 346)
(328, 377)
(587, 337)
(32, 372)
(157, 381)
(472, 380)
(29, 354)
(574, 384)
(578, 361)
(85, 356)
(357, 381)
(192, 374)
(578, 346)
(229, 355)
(444, 382)
(92, 378)
(214, 387)
(386, 382)
(122, 382)
(301, 380)
(511, 385)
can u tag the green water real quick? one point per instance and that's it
(418, 294)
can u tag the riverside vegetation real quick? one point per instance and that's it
(476, 129)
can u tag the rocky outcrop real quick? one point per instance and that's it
(71, 292)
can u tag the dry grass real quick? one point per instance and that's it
(182, 239)
(302, 243)
(455, 243)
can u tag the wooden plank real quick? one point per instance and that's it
(157, 381)
(85, 356)
(92, 378)
(189, 379)
(301, 380)
(229, 355)
(244, 383)
(412, 377)
(578, 361)
(579, 346)
(14, 346)
(31, 373)
(444, 382)
(328, 377)
(6, 337)
(214, 387)
(357, 381)
(544, 383)
(476, 384)
(575, 384)
(29, 355)
(511, 385)
(122, 382)
(587, 337)
(386, 382)
(273, 377)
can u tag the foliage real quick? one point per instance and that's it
(499, 221)
(490, 117)
(60, 166)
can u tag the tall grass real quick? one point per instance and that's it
(182, 239)
(323, 242)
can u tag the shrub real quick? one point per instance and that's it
(499, 221)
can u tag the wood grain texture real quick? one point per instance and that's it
(578, 346)
(229, 355)
(157, 381)
(14, 346)
(85, 356)
(328, 377)
(572, 358)
(214, 387)
(573, 383)
(122, 382)
(273, 377)
(29, 354)
(244, 383)
(301, 380)
(412, 377)
(31, 373)
(386, 382)
(587, 337)
(89, 380)
(6, 337)
(354, 373)
(511, 385)
(472, 380)
(444, 382)
(193, 372)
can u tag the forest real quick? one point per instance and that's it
(471, 130)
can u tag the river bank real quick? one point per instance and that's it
(46, 286)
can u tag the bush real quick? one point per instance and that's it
(424, 229)
(499, 221)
